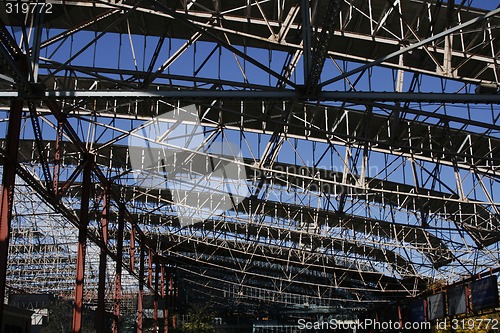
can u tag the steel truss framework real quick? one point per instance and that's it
(369, 132)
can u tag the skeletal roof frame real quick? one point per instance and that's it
(369, 134)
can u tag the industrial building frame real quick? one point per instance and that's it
(369, 131)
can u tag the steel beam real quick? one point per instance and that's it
(400, 316)
(82, 243)
(59, 207)
(424, 136)
(37, 21)
(132, 250)
(321, 45)
(387, 29)
(69, 214)
(118, 273)
(101, 306)
(176, 294)
(150, 268)
(306, 37)
(214, 36)
(7, 193)
(210, 95)
(404, 50)
(155, 301)
(57, 159)
(165, 308)
(140, 293)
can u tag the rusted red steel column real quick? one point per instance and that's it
(150, 268)
(155, 314)
(468, 305)
(141, 289)
(400, 316)
(170, 291)
(118, 273)
(165, 303)
(132, 249)
(101, 291)
(7, 191)
(82, 240)
(174, 321)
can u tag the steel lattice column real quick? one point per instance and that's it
(82, 240)
(7, 192)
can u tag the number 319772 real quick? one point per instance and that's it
(28, 7)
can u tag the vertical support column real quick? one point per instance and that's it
(366, 149)
(176, 292)
(400, 316)
(141, 289)
(101, 295)
(132, 249)
(170, 290)
(425, 310)
(447, 69)
(400, 75)
(150, 268)
(395, 115)
(173, 297)
(7, 192)
(174, 321)
(165, 307)
(82, 240)
(155, 314)
(118, 273)
(37, 21)
(468, 305)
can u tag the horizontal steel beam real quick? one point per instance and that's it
(358, 96)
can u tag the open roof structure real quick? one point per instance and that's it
(365, 135)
